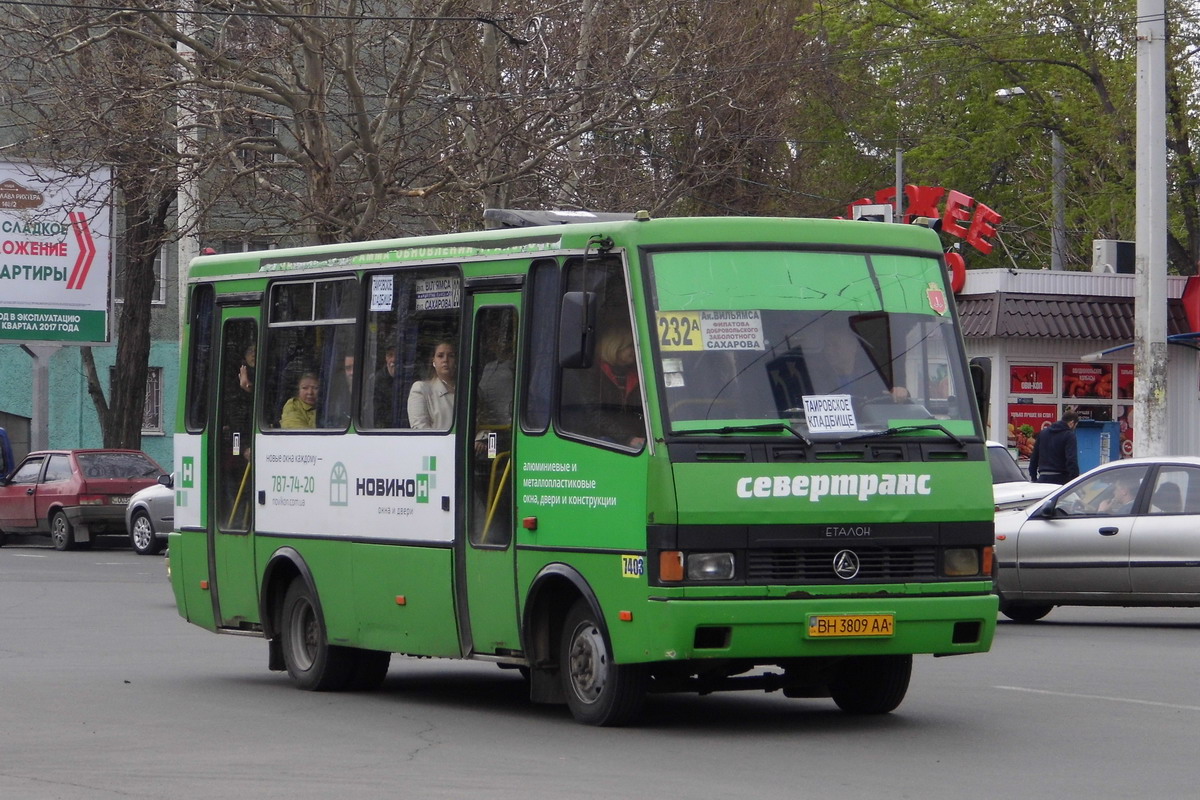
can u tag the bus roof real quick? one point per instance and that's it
(626, 233)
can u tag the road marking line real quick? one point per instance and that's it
(27, 555)
(1099, 697)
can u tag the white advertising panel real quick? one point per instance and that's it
(387, 488)
(55, 252)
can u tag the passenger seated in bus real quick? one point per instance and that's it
(301, 411)
(605, 401)
(431, 401)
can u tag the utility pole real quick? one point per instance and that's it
(186, 199)
(1150, 304)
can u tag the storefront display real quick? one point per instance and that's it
(1038, 394)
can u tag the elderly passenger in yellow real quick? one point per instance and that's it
(301, 410)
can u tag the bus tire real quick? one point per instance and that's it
(314, 664)
(871, 684)
(62, 533)
(1024, 612)
(598, 691)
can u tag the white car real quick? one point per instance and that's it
(151, 515)
(1010, 487)
(1123, 534)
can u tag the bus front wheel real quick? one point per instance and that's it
(871, 684)
(598, 691)
(313, 663)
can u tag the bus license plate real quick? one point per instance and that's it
(820, 625)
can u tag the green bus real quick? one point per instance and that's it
(688, 454)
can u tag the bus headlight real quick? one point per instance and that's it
(710, 566)
(961, 562)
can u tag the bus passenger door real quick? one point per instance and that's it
(488, 550)
(231, 501)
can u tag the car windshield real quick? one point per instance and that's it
(117, 465)
(832, 343)
(1004, 466)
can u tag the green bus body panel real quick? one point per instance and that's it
(425, 623)
(189, 570)
(833, 492)
(582, 496)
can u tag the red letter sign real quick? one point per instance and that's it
(958, 210)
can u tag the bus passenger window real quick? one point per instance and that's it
(410, 355)
(308, 364)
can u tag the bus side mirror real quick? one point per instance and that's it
(576, 330)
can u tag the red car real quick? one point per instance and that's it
(73, 495)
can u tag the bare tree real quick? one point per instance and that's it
(82, 91)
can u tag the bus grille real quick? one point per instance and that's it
(876, 565)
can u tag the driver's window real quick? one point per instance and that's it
(27, 472)
(1113, 492)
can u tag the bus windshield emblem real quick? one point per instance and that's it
(845, 564)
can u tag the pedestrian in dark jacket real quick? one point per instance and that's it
(1055, 457)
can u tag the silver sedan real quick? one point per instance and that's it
(1125, 534)
(151, 515)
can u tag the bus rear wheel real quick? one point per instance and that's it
(598, 691)
(871, 684)
(314, 664)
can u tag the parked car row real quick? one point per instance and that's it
(75, 495)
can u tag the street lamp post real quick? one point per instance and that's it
(1058, 230)
(1058, 186)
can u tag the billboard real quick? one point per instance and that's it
(55, 253)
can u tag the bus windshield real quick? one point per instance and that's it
(831, 343)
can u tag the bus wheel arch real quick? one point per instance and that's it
(285, 566)
(551, 595)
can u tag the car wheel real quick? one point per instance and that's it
(598, 691)
(314, 664)
(871, 684)
(141, 535)
(62, 533)
(1024, 612)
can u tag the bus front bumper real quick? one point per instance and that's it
(767, 630)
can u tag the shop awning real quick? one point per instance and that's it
(1006, 314)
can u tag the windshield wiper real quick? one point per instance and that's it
(769, 427)
(906, 429)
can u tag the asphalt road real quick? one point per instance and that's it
(106, 693)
